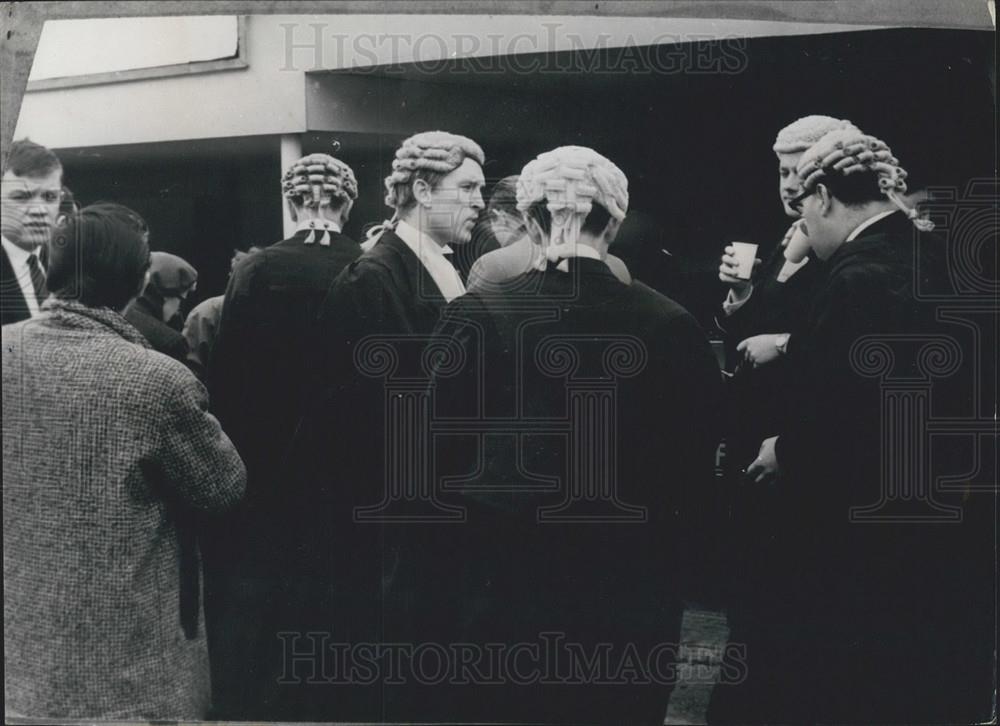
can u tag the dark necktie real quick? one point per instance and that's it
(37, 278)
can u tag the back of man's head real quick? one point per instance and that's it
(854, 190)
(99, 256)
(319, 180)
(504, 196)
(858, 170)
(585, 189)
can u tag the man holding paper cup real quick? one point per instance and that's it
(768, 301)
(890, 575)
(765, 303)
(762, 311)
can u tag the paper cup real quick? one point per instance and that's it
(745, 254)
(798, 246)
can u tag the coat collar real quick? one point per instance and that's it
(422, 284)
(589, 267)
(876, 236)
(870, 222)
(72, 314)
(587, 281)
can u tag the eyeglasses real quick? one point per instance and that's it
(796, 203)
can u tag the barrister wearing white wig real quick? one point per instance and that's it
(850, 151)
(320, 191)
(428, 156)
(789, 145)
(571, 183)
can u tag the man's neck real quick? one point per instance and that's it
(412, 218)
(859, 215)
(595, 243)
(854, 217)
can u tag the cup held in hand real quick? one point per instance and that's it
(745, 254)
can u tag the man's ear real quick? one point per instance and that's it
(422, 191)
(825, 199)
(293, 211)
(611, 230)
(345, 211)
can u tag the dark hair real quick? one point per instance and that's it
(594, 223)
(504, 196)
(120, 209)
(26, 158)
(852, 190)
(99, 256)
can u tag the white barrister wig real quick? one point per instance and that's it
(570, 180)
(851, 151)
(806, 131)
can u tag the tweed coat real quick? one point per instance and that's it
(107, 446)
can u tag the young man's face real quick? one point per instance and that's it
(30, 206)
(455, 204)
(789, 185)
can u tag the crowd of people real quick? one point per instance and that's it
(365, 453)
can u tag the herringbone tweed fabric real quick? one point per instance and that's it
(107, 445)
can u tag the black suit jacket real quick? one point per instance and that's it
(338, 462)
(645, 365)
(259, 372)
(387, 290)
(888, 611)
(13, 306)
(498, 577)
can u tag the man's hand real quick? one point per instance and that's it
(727, 272)
(765, 467)
(760, 349)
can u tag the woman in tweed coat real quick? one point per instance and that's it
(107, 450)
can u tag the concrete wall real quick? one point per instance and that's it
(261, 99)
(269, 96)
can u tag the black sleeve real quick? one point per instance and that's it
(230, 372)
(700, 397)
(748, 319)
(832, 410)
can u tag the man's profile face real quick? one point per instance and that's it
(789, 185)
(30, 206)
(455, 204)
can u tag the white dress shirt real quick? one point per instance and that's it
(19, 261)
(432, 257)
(564, 252)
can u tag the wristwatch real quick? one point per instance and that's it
(781, 342)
